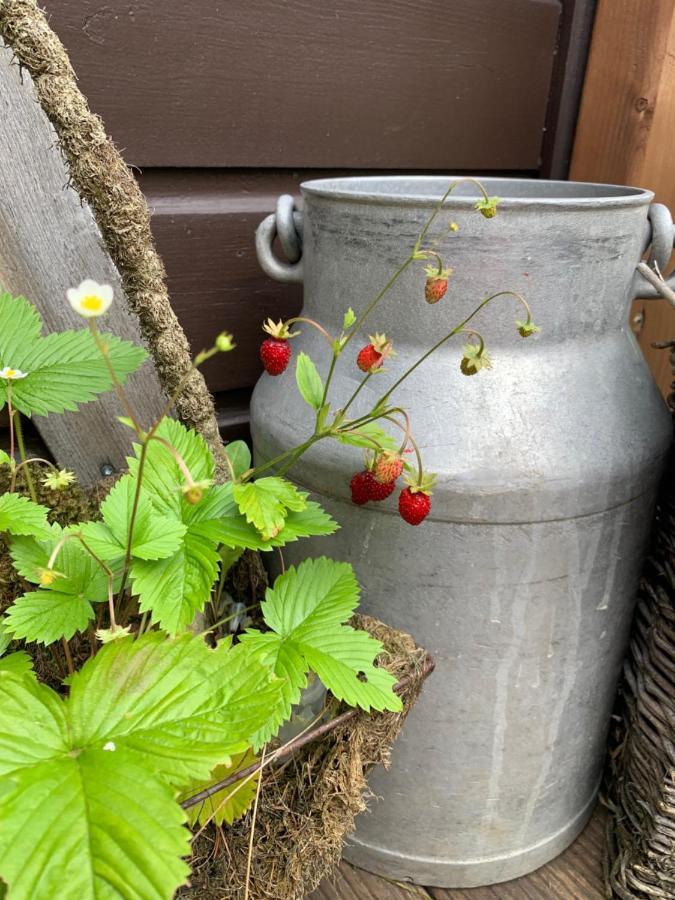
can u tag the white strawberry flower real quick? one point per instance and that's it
(90, 299)
(12, 374)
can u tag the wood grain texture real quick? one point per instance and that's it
(49, 242)
(204, 225)
(575, 875)
(383, 84)
(627, 124)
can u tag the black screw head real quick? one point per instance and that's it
(107, 469)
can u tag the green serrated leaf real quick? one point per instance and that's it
(369, 436)
(63, 607)
(266, 502)
(306, 609)
(5, 636)
(97, 771)
(46, 616)
(63, 369)
(231, 803)
(240, 457)
(162, 477)
(155, 536)
(173, 590)
(19, 515)
(19, 663)
(6, 459)
(309, 381)
(232, 529)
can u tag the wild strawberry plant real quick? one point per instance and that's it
(152, 710)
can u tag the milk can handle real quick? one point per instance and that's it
(286, 222)
(648, 285)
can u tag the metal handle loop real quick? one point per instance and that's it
(287, 223)
(662, 240)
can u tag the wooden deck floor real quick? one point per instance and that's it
(576, 875)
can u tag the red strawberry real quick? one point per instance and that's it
(435, 288)
(368, 359)
(413, 506)
(379, 491)
(360, 487)
(275, 355)
(373, 354)
(437, 283)
(388, 466)
(364, 488)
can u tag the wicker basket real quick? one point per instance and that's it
(642, 832)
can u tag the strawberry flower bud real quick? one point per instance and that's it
(225, 342)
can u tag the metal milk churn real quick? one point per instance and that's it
(522, 580)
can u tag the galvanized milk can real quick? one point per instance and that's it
(522, 580)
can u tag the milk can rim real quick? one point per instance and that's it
(589, 194)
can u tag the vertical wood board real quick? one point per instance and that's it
(49, 242)
(626, 128)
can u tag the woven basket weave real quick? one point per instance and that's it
(642, 836)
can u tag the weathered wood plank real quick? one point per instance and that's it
(204, 225)
(49, 242)
(627, 122)
(383, 84)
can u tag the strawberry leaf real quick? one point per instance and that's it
(305, 610)
(63, 369)
(91, 778)
(266, 502)
(369, 436)
(154, 536)
(63, 607)
(240, 457)
(309, 381)
(19, 515)
(229, 804)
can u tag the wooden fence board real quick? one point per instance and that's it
(48, 243)
(384, 84)
(627, 124)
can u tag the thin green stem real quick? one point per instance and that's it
(109, 576)
(132, 519)
(119, 390)
(27, 462)
(329, 378)
(180, 462)
(10, 411)
(22, 456)
(270, 464)
(356, 393)
(314, 324)
(456, 330)
(371, 306)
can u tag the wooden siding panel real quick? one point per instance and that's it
(204, 225)
(384, 84)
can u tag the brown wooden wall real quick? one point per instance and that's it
(221, 106)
